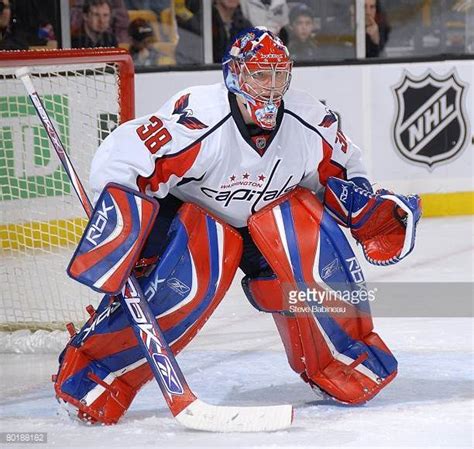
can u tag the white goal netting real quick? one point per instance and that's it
(41, 219)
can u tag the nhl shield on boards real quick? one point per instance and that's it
(430, 126)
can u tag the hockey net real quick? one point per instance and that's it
(87, 93)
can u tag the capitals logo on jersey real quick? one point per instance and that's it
(430, 126)
(328, 119)
(248, 190)
(186, 115)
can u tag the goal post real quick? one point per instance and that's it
(87, 93)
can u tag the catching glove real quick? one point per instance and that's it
(384, 223)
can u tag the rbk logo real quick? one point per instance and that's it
(344, 193)
(95, 231)
(98, 319)
(355, 269)
(179, 287)
(330, 269)
(164, 368)
(168, 376)
(186, 115)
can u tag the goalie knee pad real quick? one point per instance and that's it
(329, 339)
(102, 367)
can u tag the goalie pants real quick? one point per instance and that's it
(252, 262)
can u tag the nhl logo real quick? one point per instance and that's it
(260, 142)
(430, 126)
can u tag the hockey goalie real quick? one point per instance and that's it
(252, 174)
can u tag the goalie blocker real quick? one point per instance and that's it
(113, 239)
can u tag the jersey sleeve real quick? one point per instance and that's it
(341, 157)
(150, 154)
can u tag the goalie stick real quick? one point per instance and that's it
(189, 410)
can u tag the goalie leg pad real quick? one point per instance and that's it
(339, 352)
(102, 367)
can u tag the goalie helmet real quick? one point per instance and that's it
(257, 67)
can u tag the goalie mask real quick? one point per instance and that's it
(257, 67)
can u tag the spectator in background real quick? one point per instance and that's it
(377, 28)
(272, 14)
(301, 42)
(95, 27)
(227, 21)
(119, 21)
(37, 21)
(8, 40)
(143, 52)
(188, 15)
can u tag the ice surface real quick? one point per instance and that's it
(238, 359)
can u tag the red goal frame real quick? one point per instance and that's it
(19, 58)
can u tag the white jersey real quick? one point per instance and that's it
(197, 148)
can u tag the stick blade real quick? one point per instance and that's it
(202, 416)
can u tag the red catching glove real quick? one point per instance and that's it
(384, 223)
